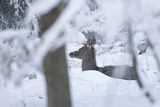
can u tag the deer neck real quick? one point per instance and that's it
(89, 62)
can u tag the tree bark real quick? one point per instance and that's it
(57, 79)
(55, 66)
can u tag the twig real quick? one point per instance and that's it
(134, 59)
(153, 51)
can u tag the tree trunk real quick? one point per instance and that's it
(55, 66)
(57, 79)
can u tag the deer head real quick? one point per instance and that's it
(81, 53)
(84, 51)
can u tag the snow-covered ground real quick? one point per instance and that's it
(93, 89)
(30, 93)
(88, 89)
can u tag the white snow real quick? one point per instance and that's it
(93, 89)
(88, 89)
(30, 93)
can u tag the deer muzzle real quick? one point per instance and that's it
(74, 54)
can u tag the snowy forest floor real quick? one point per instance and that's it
(30, 93)
(93, 89)
(88, 89)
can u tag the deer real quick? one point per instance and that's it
(88, 57)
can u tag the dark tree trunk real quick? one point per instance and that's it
(55, 69)
(55, 66)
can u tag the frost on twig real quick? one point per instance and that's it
(135, 63)
(16, 38)
(143, 83)
(54, 31)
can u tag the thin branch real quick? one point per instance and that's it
(55, 30)
(12, 33)
(134, 59)
(154, 52)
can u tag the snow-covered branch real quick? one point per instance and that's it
(50, 36)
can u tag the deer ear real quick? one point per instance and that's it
(91, 40)
(87, 44)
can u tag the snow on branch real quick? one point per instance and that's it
(50, 36)
(133, 11)
(43, 6)
(12, 33)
